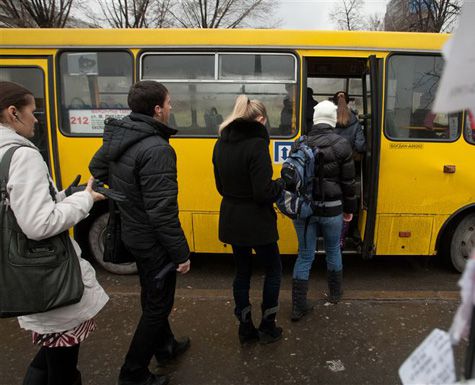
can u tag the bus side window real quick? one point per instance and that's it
(411, 89)
(204, 86)
(94, 86)
(469, 132)
(32, 78)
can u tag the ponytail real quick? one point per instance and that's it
(343, 111)
(245, 108)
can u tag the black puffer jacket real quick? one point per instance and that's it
(338, 170)
(243, 174)
(143, 167)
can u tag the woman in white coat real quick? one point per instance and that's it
(58, 332)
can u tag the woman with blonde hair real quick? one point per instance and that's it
(247, 220)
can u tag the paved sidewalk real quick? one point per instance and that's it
(363, 340)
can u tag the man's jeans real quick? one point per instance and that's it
(269, 255)
(330, 228)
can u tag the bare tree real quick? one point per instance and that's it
(423, 15)
(222, 13)
(36, 13)
(134, 13)
(347, 15)
(375, 22)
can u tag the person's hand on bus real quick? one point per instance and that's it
(347, 217)
(184, 267)
(95, 195)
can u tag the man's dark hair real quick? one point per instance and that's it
(145, 95)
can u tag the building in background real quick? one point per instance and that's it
(404, 15)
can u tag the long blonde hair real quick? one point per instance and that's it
(245, 108)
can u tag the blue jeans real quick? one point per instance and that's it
(330, 228)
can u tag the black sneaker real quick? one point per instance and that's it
(176, 348)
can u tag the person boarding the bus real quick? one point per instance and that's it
(58, 332)
(334, 193)
(247, 220)
(137, 160)
(348, 126)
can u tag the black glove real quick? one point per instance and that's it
(98, 186)
(70, 189)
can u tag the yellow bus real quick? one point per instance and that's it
(416, 184)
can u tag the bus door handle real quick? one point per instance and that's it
(449, 169)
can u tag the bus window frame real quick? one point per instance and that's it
(59, 99)
(45, 112)
(231, 50)
(386, 85)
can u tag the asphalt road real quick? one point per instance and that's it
(390, 305)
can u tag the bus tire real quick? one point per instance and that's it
(96, 243)
(462, 242)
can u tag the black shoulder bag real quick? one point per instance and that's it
(114, 249)
(35, 276)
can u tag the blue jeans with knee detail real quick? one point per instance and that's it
(330, 228)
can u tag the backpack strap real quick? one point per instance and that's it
(5, 169)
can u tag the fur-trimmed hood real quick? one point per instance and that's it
(242, 129)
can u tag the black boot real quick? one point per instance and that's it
(268, 331)
(152, 379)
(35, 376)
(247, 331)
(300, 307)
(334, 286)
(78, 380)
(171, 351)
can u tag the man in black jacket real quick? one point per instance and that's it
(137, 160)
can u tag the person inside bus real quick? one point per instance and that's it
(311, 103)
(247, 220)
(137, 160)
(348, 126)
(58, 332)
(334, 193)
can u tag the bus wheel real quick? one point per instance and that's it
(463, 242)
(96, 243)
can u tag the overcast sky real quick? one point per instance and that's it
(314, 14)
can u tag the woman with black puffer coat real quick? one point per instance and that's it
(247, 220)
(334, 194)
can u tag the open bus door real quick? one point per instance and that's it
(370, 165)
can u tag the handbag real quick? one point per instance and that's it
(35, 276)
(114, 249)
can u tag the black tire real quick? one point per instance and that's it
(462, 242)
(96, 243)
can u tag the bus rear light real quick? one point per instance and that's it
(404, 234)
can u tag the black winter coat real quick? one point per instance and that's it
(143, 167)
(353, 132)
(338, 170)
(243, 174)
